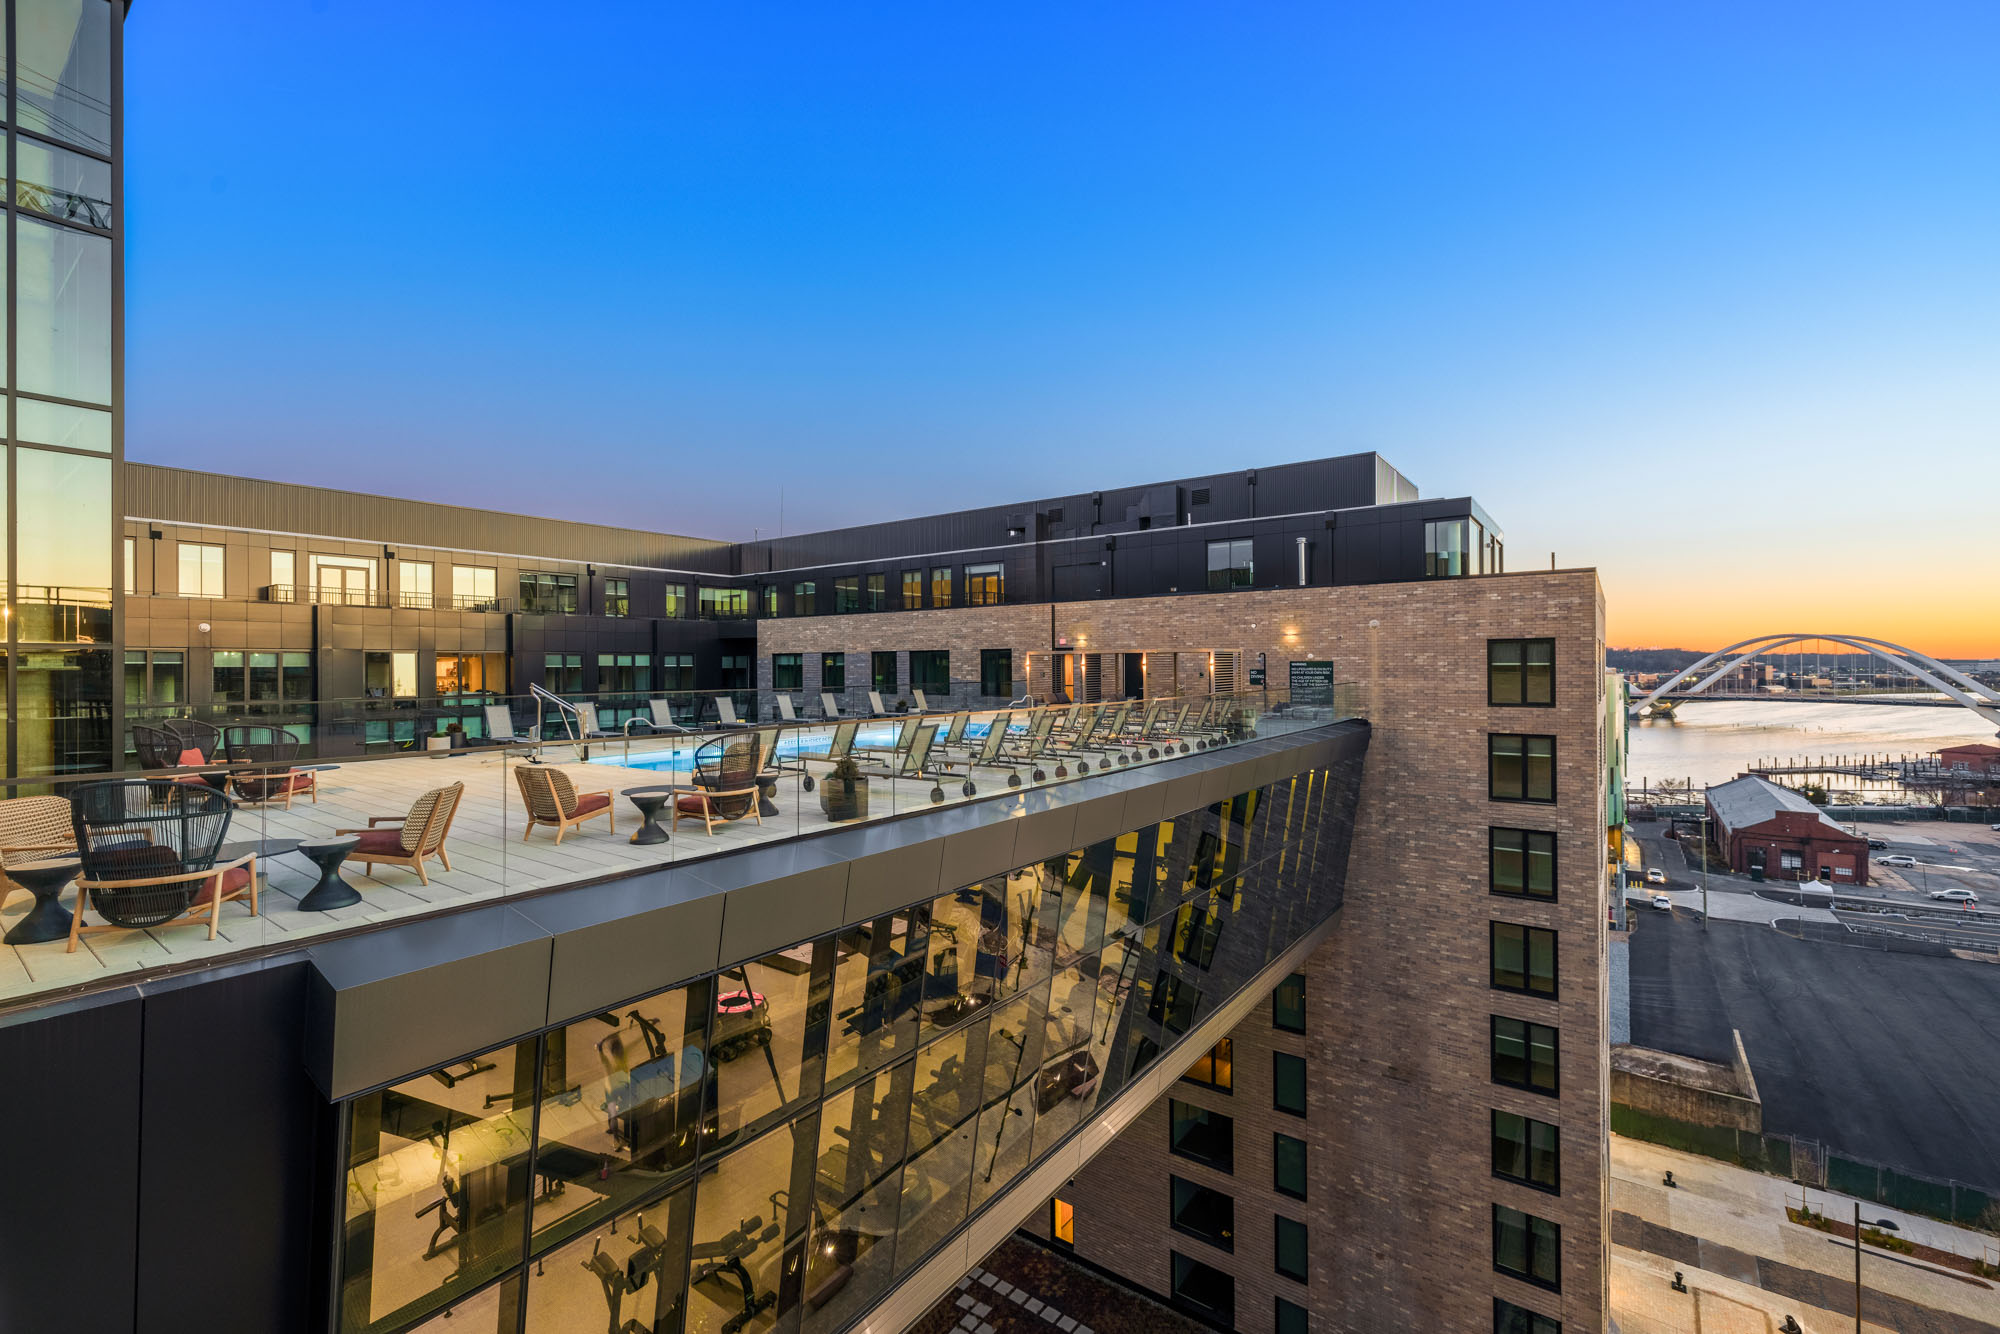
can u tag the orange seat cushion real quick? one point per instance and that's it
(692, 803)
(382, 842)
(592, 801)
(191, 759)
(234, 879)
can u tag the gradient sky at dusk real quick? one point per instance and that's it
(1706, 295)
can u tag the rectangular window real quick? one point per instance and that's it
(996, 673)
(1527, 1247)
(563, 673)
(1205, 1289)
(833, 671)
(735, 671)
(131, 566)
(1791, 861)
(1062, 1222)
(1229, 564)
(1288, 1083)
(878, 592)
(941, 586)
(64, 185)
(882, 672)
(1447, 549)
(413, 582)
(617, 597)
(347, 581)
(1216, 1069)
(1205, 1136)
(624, 674)
(1521, 862)
(1292, 1248)
(1523, 958)
(1526, 1150)
(788, 671)
(169, 678)
(477, 673)
(1524, 1055)
(228, 687)
(263, 677)
(1520, 768)
(474, 587)
(847, 594)
(1288, 1165)
(913, 589)
(1521, 671)
(930, 669)
(805, 599)
(769, 595)
(296, 672)
(1288, 1004)
(985, 585)
(1511, 1319)
(677, 671)
(677, 602)
(723, 604)
(62, 312)
(61, 424)
(544, 594)
(1292, 1318)
(1205, 1213)
(201, 570)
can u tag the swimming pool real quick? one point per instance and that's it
(879, 734)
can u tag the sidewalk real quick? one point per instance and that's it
(1747, 1266)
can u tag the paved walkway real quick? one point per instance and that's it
(1023, 1288)
(1746, 1266)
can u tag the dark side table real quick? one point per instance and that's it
(332, 891)
(649, 800)
(48, 919)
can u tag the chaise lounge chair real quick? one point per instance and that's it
(414, 838)
(552, 799)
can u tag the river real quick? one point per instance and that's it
(1714, 742)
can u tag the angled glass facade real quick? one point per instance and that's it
(772, 1147)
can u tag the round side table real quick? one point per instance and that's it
(650, 801)
(332, 891)
(766, 785)
(48, 919)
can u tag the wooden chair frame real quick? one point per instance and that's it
(213, 908)
(710, 795)
(441, 811)
(552, 810)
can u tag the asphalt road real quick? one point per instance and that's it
(1892, 1057)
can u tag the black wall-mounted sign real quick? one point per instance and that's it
(1312, 683)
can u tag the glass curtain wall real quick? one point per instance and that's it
(772, 1147)
(62, 401)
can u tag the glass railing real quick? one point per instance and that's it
(536, 793)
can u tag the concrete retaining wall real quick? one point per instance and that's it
(1699, 1093)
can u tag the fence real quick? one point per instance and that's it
(1812, 1164)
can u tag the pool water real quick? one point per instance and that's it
(792, 744)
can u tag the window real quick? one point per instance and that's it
(996, 672)
(296, 671)
(1448, 551)
(64, 185)
(131, 545)
(1291, 1257)
(474, 587)
(1527, 1247)
(720, 604)
(833, 671)
(624, 674)
(563, 673)
(1521, 862)
(913, 589)
(201, 570)
(985, 585)
(882, 672)
(1205, 1213)
(677, 601)
(930, 669)
(1520, 768)
(1205, 1289)
(263, 677)
(1288, 1004)
(285, 576)
(1229, 564)
(769, 594)
(941, 586)
(878, 592)
(788, 671)
(1288, 1165)
(677, 671)
(1288, 1083)
(65, 89)
(1524, 1055)
(735, 671)
(847, 594)
(413, 582)
(1292, 1318)
(1216, 1069)
(805, 597)
(1062, 1222)
(617, 597)
(1205, 1136)
(1526, 1150)
(1790, 861)
(62, 311)
(228, 677)
(342, 580)
(471, 673)
(545, 594)
(1511, 1319)
(1523, 958)
(1521, 671)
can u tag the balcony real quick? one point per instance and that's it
(354, 597)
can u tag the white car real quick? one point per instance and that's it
(1663, 903)
(1655, 876)
(1955, 895)
(1896, 859)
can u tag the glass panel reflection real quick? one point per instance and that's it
(62, 311)
(63, 545)
(856, 1183)
(62, 184)
(628, 1275)
(746, 1265)
(62, 70)
(878, 976)
(769, 1041)
(944, 1108)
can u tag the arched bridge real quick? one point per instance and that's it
(1949, 681)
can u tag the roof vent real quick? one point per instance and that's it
(1199, 497)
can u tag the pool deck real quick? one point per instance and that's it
(490, 857)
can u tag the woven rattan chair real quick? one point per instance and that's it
(409, 840)
(272, 746)
(31, 829)
(148, 848)
(552, 799)
(725, 784)
(196, 735)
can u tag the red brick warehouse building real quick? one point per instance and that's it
(1760, 826)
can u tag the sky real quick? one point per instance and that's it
(1705, 295)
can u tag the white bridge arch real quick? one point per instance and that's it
(1948, 681)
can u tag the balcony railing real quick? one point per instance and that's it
(354, 597)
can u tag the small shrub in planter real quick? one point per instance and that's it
(843, 793)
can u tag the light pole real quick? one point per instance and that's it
(1704, 871)
(1881, 1223)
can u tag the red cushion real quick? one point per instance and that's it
(191, 759)
(692, 803)
(387, 842)
(592, 801)
(235, 878)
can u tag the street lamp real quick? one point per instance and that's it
(1704, 871)
(1880, 1223)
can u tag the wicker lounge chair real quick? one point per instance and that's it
(552, 799)
(32, 829)
(725, 784)
(149, 849)
(267, 746)
(409, 840)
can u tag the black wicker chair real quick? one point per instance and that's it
(158, 747)
(149, 848)
(196, 735)
(725, 783)
(275, 751)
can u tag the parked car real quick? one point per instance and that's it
(1663, 903)
(1955, 895)
(1878, 843)
(1655, 876)
(1896, 859)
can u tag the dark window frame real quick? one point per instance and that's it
(927, 658)
(1537, 1323)
(988, 678)
(1528, 1123)
(1292, 1318)
(1279, 1061)
(832, 666)
(1527, 1226)
(794, 665)
(1527, 853)
(1225, 1241)
(1226, 1084)
(1494, 931)
(1279, 1137)
(1176, 1144)
(1279, 1224)
(1554, 1090)
(1493, 758)
(1522, 670)
(1176, 1280)
(1278, 1012)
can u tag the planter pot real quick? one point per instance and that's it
(437, 743)
(844, 799)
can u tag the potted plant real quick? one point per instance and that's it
(454, 735)
(438, 740)
(843, 794)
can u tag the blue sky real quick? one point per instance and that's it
(1707, 295)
